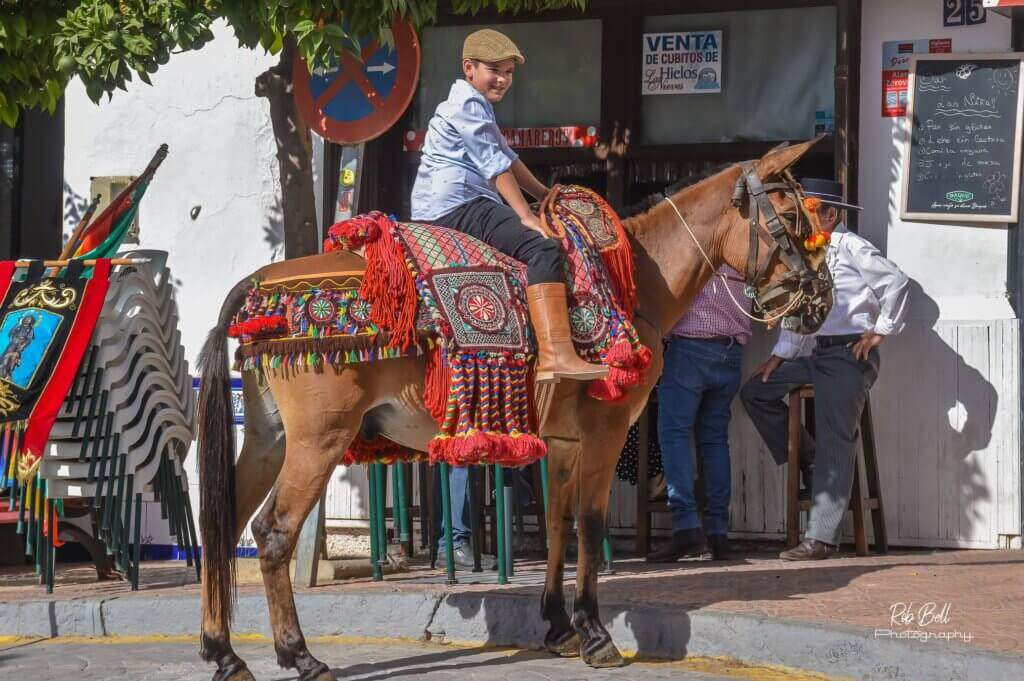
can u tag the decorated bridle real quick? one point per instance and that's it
(800, 284)
(774, 234)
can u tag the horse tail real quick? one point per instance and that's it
(216, 436)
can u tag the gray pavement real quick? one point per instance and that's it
(176, 660)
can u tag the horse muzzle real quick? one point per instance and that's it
(816, 303)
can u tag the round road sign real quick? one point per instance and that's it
(356, 101)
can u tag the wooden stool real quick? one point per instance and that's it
(866, 458)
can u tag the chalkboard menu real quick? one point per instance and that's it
(962, 155)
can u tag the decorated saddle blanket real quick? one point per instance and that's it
(435, 291)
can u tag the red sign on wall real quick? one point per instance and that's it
(896, 55)
(526, 138)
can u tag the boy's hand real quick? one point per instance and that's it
(531, 222)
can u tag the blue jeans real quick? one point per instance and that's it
(699, 382)
(458, 479)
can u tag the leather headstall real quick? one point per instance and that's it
(772, 231)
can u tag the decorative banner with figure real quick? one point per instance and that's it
(45, 327)
(682, 63)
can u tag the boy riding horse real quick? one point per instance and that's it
(467, 168)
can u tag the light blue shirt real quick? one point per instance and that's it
(463, 152)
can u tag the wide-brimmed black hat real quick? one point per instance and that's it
(827, 191)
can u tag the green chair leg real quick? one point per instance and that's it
(374, 535)
(499, 510)
(137, 544)
(382, 525)
(446, 511)
(401, 507)
(606, 546)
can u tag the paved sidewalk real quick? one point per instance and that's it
(821, 616)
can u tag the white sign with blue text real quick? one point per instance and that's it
(682, 63)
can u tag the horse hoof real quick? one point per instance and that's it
(566, 645)
(321, 676)
(605, 656)
(242, 674)
(321, 673)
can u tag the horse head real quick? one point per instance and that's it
(782, 256)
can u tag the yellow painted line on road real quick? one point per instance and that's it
(734, 669)
(721, 666)
(7, 641)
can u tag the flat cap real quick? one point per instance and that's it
(490, 46)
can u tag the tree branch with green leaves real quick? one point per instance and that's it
(109, 43)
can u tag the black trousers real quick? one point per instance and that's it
(498, 225)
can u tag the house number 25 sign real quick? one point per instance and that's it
(963, 12)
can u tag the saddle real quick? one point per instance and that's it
(429, 290)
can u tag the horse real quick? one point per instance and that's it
(299, 421)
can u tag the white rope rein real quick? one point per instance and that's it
(768, 320)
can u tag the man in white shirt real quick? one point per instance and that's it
(869, 303)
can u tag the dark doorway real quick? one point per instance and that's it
(32, 185)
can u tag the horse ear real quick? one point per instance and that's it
(782, 157)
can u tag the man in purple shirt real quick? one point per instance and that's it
(700, 380)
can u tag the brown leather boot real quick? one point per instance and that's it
(557, 359)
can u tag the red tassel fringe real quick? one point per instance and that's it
(258, 326)
(477, 447)
(619, 260)
(487, 414)
(389, 287)
(437, 383)
(354, 232)
(379, 450)
(627, 369)
(387, 284)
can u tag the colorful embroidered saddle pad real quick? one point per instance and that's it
(428, 289)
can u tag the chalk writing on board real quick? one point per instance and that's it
(934, 84)
(970, 105)
(964, 71)
(963, 137)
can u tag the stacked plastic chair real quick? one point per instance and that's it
(125, 426)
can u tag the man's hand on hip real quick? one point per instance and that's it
(766, 369)
(868, 341)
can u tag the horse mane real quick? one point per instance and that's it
(648, 202)
(639, 216)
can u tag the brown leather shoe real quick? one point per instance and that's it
(549, 312)
(809, 549)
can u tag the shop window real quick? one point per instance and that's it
(777, 79)
(560, 83)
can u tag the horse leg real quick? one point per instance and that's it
(255, 471)
(563, 455)
(596, 469)
(322, 413)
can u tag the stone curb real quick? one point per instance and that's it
(512, 620)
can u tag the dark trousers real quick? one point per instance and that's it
(841, 384)
(498, 225)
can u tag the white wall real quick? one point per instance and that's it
(222, 158)
(962, 267)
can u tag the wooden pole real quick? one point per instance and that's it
(69, 247)
(84, 225)
(86, 263)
